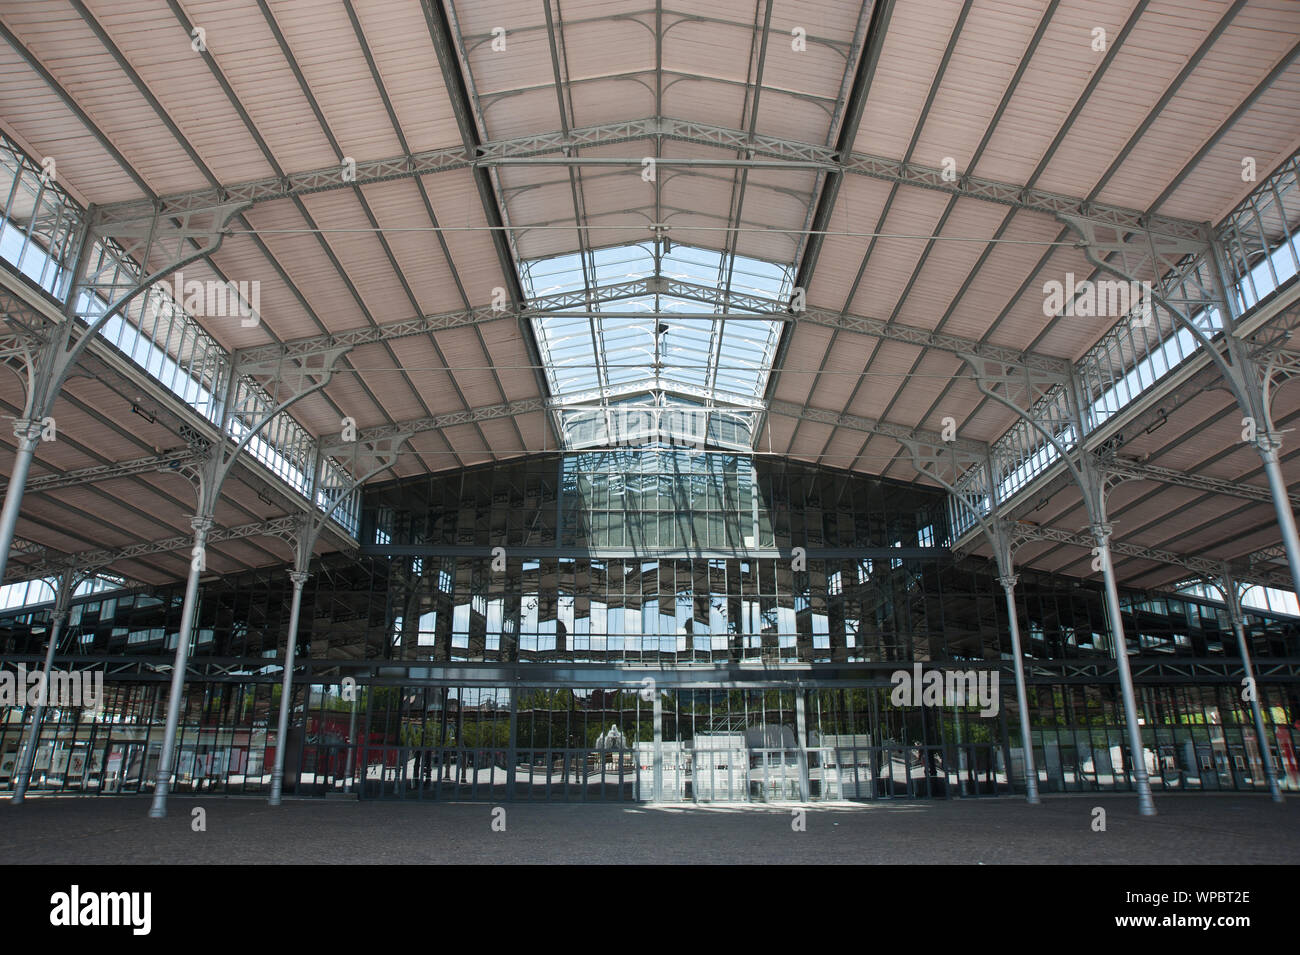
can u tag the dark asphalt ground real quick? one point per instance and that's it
(1189, 830)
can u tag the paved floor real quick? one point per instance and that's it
(1189, 830)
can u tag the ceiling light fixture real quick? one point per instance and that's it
(148, 416)
(1158, 423)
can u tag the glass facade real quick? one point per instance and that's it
(656, 624)
(648, 501)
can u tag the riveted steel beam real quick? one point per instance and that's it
(1208, 566)
(737, 304)
(740, 143)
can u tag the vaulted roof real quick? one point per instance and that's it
(896, 165)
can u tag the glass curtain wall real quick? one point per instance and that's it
(562, 583)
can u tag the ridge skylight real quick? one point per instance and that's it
(649, 356)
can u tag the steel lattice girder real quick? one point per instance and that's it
(168, 461)
(22, 327)
(328, 670)
(438, 422)
(94, 559)
(1198, 482)
(739, 142)
(20, 546)
(530, 405)
(872, 426)
(544, 306)
(1267, 555)
(1205, 566)
(665, 384)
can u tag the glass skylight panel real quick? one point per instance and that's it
(563, 273)
(622, 264)
(745, 356)
(654, 345)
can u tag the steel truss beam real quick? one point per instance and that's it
(579, 302)
(737, 142)
(1142, 416)
(925, 338)
(23, 329)
(406, 328)
(405, 429)
(105, 557)
(110, 271)
(722, 407)
(1274, 670)
(1192, 282)
(872, 426)
(1197, 482)
(438, 422)
(18, 546)
(113, 261)
(727, 401)
(157, 244)
(1267, 555)
(1207, 566)
(111, 278)
(167, 461)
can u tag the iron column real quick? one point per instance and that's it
(28, 757)
(286, 690)
(201, 525)
(1008, 582)
(1101, 533)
